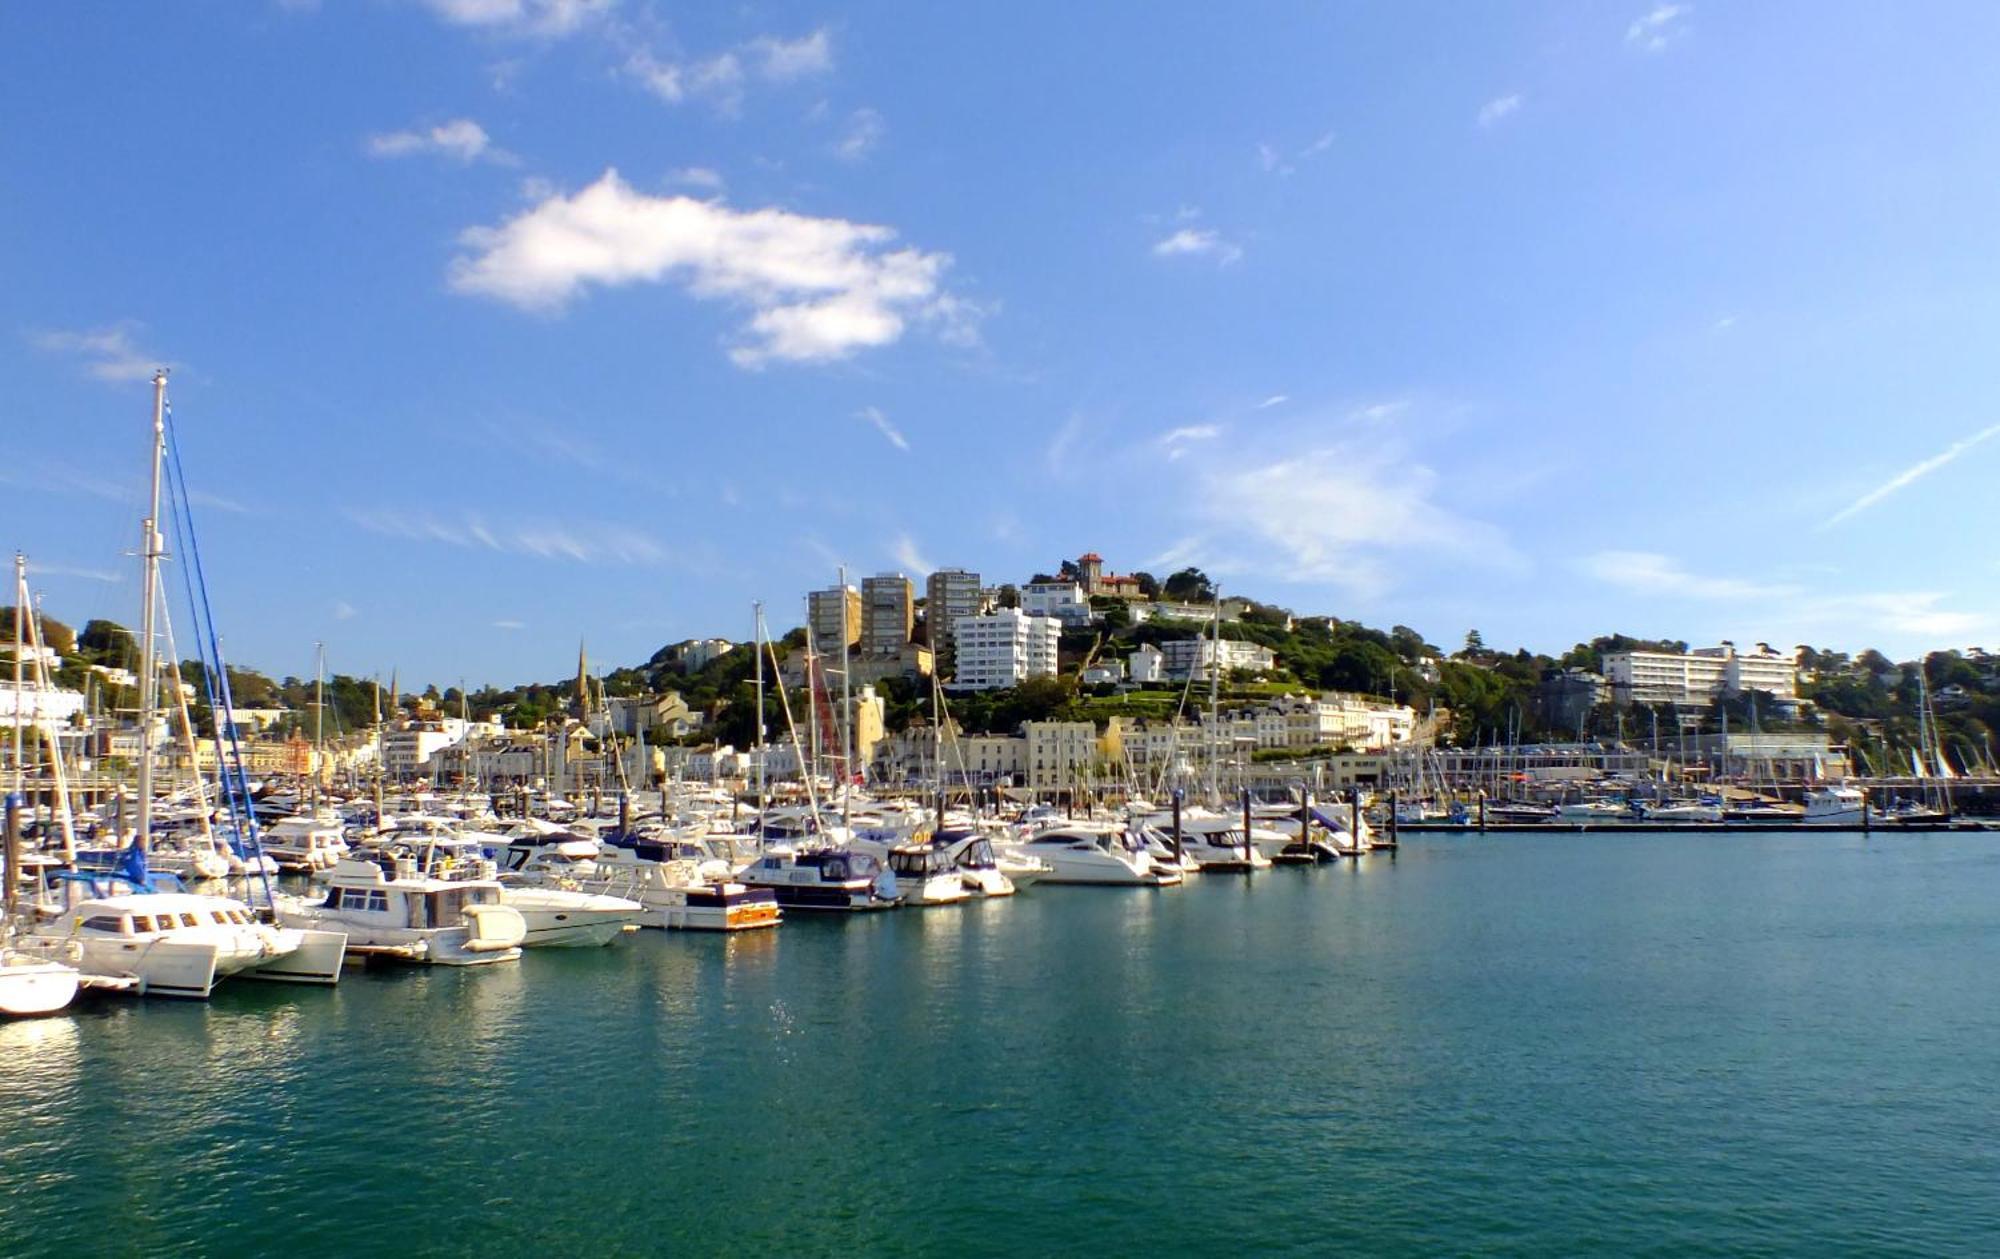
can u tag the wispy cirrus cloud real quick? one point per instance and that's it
(864, 131)
(1379, 412)
(1275, 400)
(38, 569)
(108, 354)
(817, 289)
(1658, 27)
(1499, 109)
(1176, 441)
(1198, 242)
(782, 60)
(912, 560)
(721, 78)
(1283, 162)
(541, 19)
(461, 140)
(1790, 610)
(889, 431)
(1910, 475)
(1346, 512)
(510, 625)
(579, 541)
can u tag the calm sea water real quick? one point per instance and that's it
(1552, 1045)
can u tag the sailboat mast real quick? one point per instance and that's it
(1214, 692)
(846, 709)
(149, 548)
(319, 718)
(20, 693)
(757, 633)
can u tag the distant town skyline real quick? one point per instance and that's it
(600, 319)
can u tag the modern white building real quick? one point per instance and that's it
(1148, 664)
(1697, 677)
(1063, 600)
(698, 653)
(1004, 648)
(1184, 658)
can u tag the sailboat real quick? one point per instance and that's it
(132, 929)
(30, 984)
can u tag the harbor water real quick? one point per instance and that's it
(1664, 1043)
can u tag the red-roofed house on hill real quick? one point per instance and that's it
(1096, 582)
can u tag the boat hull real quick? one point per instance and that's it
(31, 987)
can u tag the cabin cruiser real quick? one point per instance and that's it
(1519, 812)
(1906, 810)
(1088, 853)
(1594, 811)
(682, 889)
(1834, 806)
(836, 879)
(1701, 809)
(555, 916)
(173, 943)
(390, 907)
(32, 984)
(1218, 844)
(304, 843)
(971, 853)
(926, 874)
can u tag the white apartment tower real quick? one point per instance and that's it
(1004, 648)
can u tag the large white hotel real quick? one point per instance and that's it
(1697, 677)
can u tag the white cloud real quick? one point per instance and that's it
(1275, 400)
(35, 567)
(1336, 513)
(1791, 611)
(1378, 412)
(584, 542)
(1275, 161)
(1650, 573)
(510, 625)
(1663, 24)
(1198, 241)
(1723, 324)
(108, 353)
(697, 177)
(1063, 443)
(911, 559)
(343, 610)
(461, 139)
(1176, 441)
(202, 498)
(882, 425)
(865, 129)
(1271, 159)
(1493, 111)
(549, 19)
(1915, 472)
(783, 60)
(817, 289)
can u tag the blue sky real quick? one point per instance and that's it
(498, 324)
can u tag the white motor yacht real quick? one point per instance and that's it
(1218, 844)
(971, 852)
(389, 908)
(834, 879)
(305, 843)
(1098, 854)
(926, 874)
(1835, 806)
(568, 917)
(679, 885)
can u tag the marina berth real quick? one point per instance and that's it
(679, 885)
